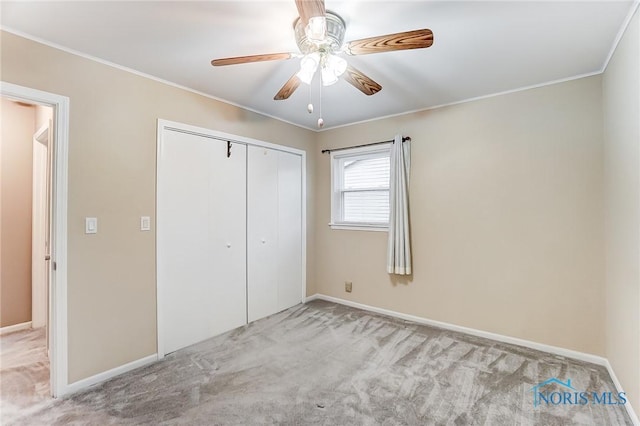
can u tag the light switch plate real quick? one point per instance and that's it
(90, 225)
(145, 223)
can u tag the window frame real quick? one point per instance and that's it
(336, 158)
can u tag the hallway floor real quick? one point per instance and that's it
(24, 371)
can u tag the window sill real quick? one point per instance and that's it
(360, 227)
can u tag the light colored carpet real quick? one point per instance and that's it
(327, 364)
(24, 371)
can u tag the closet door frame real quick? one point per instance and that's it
(167, 125)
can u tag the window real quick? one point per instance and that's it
(360, 185)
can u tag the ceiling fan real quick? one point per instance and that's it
(319, 35)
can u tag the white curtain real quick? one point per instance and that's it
(399, 245)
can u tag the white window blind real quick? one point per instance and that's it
(361, 187)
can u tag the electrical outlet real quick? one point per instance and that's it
(348, 286)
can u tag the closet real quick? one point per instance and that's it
(274, 221)
(229, 232)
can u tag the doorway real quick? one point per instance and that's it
(24, 253)
(33, 194)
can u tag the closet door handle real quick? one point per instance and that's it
(228, 245)
(264, 241)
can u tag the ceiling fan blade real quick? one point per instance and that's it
(251, 58)
(417, 39)
(307, 9)
(289, 87)
(361, 82)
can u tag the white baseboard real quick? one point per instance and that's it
(16, 327)
(106, 375)
(568, 353)
(616, 382)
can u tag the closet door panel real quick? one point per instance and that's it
(289, 230)
(182, 245)
(200, 239)
(228, 238)
(262, 232)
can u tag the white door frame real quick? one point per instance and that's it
(164, 125)
(58, 291)
(40, 216)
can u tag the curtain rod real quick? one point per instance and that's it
(328, 151)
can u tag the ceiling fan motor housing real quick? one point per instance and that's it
(333, 40)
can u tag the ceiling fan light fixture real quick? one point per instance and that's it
(326, 31)
(308, 66)
(328, 78)
(316, 29)
(332, 68)
(337, 64)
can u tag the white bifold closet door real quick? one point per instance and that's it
(201, 238)
(274, 231)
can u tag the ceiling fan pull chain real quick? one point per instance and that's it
(320, 120)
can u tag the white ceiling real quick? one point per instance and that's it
(480, 48)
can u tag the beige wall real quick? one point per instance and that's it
(17, 123)
(112, 160)
(506, 216)
(621, 93)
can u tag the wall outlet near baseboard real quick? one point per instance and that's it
(348, 286)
